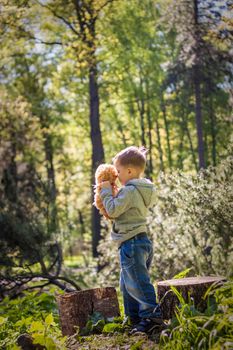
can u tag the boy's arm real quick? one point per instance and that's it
(115, 206)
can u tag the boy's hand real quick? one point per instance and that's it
(106, 184)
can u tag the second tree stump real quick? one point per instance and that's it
(195, 287)
(76, 307)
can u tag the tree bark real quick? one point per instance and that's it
(141, 109)
(159, 144)
(181, 147)
(190, 287)
(149, 169)
(51, 181)
(213, 123)
(198, 114)
(9, 180)
(87, 19)
(185, 125)
(53, 224)
(197, 92)
(97, 152)
(76, 307)
(163, 107)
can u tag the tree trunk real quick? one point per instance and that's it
(76, 307)
(53, 224)
(121, 130)
(52, 190)
(198, 114)
(87, 19)
(149, 170)
(96, 137)
(181, 147)
(197, 92)
(163, 107)
(81, 222)
(159, 144)
(213, 125)
(97, 151)
(9, 180)
(191, 287)
(141, 110)
(185, 123)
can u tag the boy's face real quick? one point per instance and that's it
(125, 173)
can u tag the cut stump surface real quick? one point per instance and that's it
(195, 287)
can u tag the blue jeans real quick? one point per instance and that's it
(138, 292)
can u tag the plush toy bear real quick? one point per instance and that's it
(104, 172)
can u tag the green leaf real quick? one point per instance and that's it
(183, 273)
(138, 345)
(98, 326)
(112, 327)
(49, 320)
(38, 338)
(21, 322)
(37, 326)
(50, 344)
(87, 329)
(2, 320)
(16, 347)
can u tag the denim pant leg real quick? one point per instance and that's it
(135, 259)
(131, 306)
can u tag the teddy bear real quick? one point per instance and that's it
(104, 172)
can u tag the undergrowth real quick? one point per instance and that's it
(208, 330)
(37, 315)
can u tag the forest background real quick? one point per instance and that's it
(81, 80)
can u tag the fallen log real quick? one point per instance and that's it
(76, 307)
(190, 287)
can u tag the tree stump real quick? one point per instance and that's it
(76, 307)
(193, 286)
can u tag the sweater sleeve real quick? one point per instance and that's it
(115, 206)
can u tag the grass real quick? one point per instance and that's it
(208, 330)
(77, 261)
(116, 341)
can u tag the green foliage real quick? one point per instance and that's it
(145, 92)
(192, 221)
(34, 314)
(97, 324)
(112, 327)
(182, 274)
(210, 330)
(137, 345)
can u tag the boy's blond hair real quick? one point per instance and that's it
(132, 156)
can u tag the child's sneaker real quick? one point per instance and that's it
(130, 322)
(147, 325)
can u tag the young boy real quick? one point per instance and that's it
(129, 211)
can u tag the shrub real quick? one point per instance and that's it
(192, 223)
(34, 314)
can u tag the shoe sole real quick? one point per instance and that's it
(159, 326)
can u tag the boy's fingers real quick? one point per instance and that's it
(106, 184)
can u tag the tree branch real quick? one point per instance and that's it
(64, 20)
(102, 6)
